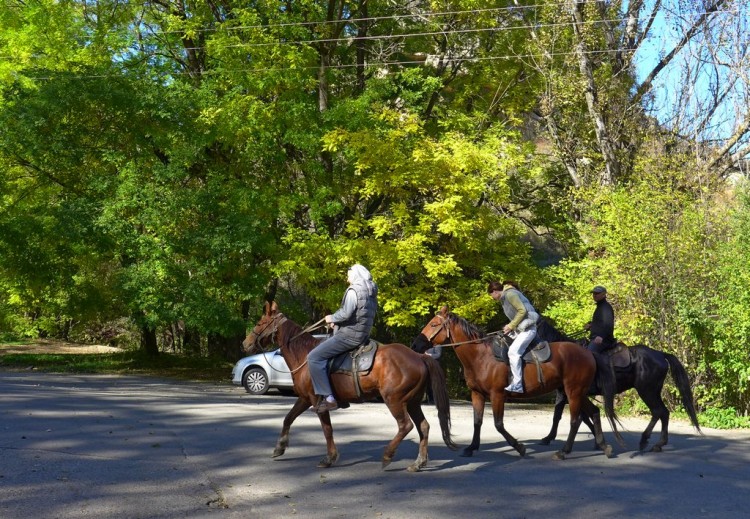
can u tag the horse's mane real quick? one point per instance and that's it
(546, 331)
(469, 329)
(290, 334)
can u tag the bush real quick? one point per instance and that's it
(723, 418)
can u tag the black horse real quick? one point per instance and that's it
(646, 373)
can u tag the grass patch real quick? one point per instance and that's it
(124, 363)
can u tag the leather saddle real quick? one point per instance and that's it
(358, 360)
(537, 351)
(619, 356)
(355, 362)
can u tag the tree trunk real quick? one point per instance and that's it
(148, 341)
(229, 348)
(192, 341)
(611, 164)
(361, 33)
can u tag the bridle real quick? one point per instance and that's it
(268, 331)
(443, 326)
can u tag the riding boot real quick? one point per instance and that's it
(343, 404)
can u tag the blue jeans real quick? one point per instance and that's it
(317, 361)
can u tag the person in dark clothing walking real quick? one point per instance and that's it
(602, 325)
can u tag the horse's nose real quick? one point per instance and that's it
(420, 344)
(247, 343)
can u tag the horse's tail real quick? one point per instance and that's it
(680, 377)
(440, 396)
(607, 385)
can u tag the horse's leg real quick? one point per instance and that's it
(297, 409)
(477, 402)
(498, 410)
(414, 408)
(332, 453)
(397, 406)
(592, 417)
(580, 403)
(560, 401)
(659, 412)
(574, 406)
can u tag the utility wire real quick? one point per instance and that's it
(352, 39)
(343, 65)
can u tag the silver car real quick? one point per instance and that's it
(260, 372)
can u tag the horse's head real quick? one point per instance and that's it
(264, 332)
(436, 331)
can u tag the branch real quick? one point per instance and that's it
(742, 129)
(648, 82)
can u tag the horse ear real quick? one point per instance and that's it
(274, 307)
(444, 310)
(267, 308)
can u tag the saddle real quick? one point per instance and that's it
(354, 362)
(538, 352)
(619, 356)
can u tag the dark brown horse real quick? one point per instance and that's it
(646, 372)
(398, 375)
(570, 367)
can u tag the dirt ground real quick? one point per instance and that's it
(43, 346)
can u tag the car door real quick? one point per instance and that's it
(280, 375)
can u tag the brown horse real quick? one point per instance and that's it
(398, 375)
(570, 367)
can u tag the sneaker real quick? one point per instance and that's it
(325, 406)
(514, 389)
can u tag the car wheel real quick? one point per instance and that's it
(255, 381)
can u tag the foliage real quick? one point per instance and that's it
(171, 165)
(726, 362)
(653, 243)
(724, 418)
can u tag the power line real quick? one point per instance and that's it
(349, 66)
(351, 39)
(515, 8)
(372, 18)
(422, 34)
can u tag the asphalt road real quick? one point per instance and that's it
(128, 447)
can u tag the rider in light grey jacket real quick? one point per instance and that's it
(353, 322)
(523, 318)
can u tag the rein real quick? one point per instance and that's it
(454, 344)
(277, 322)
(443, 326)
(309, 328)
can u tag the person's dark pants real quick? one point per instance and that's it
(600, 348)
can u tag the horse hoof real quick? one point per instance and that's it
(558, 456)
(609, 452)
(521, 449)
(328, 461)
(656, 448)
(413, 468)
(277, 453)
(545, 441)
(467, 453)
(385, 462)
